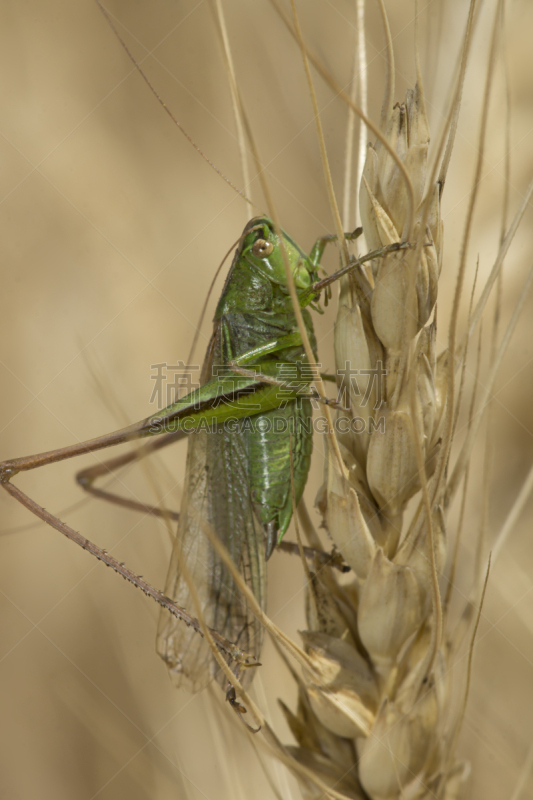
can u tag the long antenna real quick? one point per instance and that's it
(164, 105)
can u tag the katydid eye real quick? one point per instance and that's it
(262, 248)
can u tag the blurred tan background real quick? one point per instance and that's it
(111, 228)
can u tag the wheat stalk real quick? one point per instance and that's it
(378, 665)
(378, 715)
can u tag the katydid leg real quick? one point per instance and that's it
(180, 613)
(319, 246)
(86, 477)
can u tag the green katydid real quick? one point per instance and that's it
(257, 396)
(239, 476)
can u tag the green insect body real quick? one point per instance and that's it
(250, 441)
(239, 477)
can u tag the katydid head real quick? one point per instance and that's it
(263, 250)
